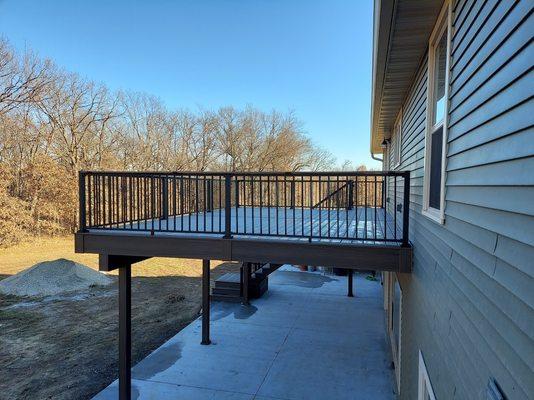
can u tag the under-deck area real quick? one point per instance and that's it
(304, 339)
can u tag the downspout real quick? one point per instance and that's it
(376, 158)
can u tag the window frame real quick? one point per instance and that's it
(424, 380)
(443, 26)
(396, 139)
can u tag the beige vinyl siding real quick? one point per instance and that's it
(469, 302)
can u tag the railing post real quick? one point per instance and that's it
(82, 201)
(164, 198)
(153, 213)
(228, 206)
(384, 191)
(237, 193)
(209, 195)
(406, 210)
(292, 205)
(350, 188)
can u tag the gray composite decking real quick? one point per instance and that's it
(304, 339)
(360, 238)
(361, 224)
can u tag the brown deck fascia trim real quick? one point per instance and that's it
(352, 256)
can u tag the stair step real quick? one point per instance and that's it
(229, 299)
(227, 291)
(228, 280)
(228, 285)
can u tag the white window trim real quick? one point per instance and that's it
(397, 136)
(424, 380)
(444, 23)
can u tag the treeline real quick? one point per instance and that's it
(54, 123)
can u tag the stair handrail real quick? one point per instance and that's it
(328, 196)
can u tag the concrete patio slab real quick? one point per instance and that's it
(305, 339)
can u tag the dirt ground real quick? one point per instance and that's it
(65, 347)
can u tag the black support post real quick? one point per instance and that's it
(125, 332)
(349, 276)
(205, 302)
(246, 283)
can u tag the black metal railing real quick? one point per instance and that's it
(326, 205)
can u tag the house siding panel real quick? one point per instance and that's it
(469, 302)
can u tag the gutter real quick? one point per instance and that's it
(376, 158)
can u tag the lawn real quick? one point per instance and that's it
(66, 347)
(17, 258)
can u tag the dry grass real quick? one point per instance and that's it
(22, 256)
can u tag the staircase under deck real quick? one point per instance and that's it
(229, 287)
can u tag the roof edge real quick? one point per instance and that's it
(382, 22)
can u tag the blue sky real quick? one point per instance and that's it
(311, 56)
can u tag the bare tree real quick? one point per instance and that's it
(54, 123)
(22, 80)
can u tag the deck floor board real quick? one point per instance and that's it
(338, 225)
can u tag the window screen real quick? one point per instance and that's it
(435, 168)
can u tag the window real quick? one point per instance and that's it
(425, 391)
(397, 141)
(436, 130)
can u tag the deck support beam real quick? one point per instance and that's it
(205, 302)
(141, 246)
(125, 332)
(349, 279)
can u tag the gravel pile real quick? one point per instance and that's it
(51, 278)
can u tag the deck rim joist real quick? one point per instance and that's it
(362, 256)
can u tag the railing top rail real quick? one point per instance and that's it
(248, 173)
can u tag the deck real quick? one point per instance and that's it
(303, 340)
(350, 220)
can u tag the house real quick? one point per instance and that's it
(452, 102)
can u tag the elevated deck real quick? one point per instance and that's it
(344, 219)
